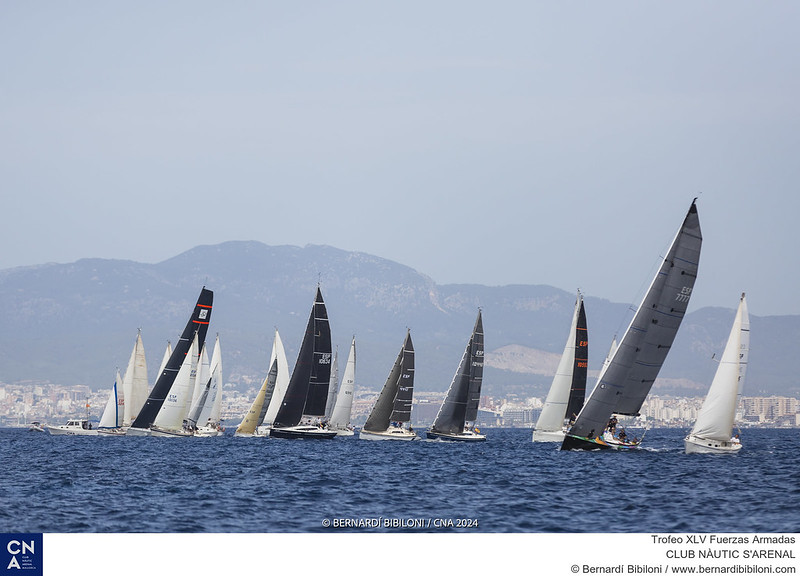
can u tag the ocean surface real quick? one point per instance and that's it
(507, 484)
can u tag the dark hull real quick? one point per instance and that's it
(291, 434)
(581, 443)
(455, 437)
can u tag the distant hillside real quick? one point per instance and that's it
(75, 323)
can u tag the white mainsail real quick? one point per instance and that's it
(202, 376)
(113, 413)
(340, 417)
(550, 425)
(165, 359)
(716, 418)
(211, 411)
(176, 404)
(282, 381)
(134, 383)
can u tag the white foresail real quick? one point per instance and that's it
(555, 405)
(115, 406)
(165, 359)
(333, 386)
(340, 417)
(202, 376)
(134, 383)
(716, 418)
(282, 382)
(213, 407)
(176, 404)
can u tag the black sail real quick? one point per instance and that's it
(198, 322)
(401, 411)
(463, 396)
(308, 386)
(577, 392)
(378, 419)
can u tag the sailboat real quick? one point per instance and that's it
(134, 383)
(171, 420)
(273, 403)
(304, 403)
(112, 418)
(460, 406)
(626, 380)
(393, 407)
(568, 390)
(712, 432)
(342, 409)
(198, 323)
(258, 409)
(208, 422)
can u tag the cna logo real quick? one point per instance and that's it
(21, 554)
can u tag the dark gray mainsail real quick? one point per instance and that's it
(198, 322)
(626, 380)
(308, 387)
(394, 401)
(463, 396)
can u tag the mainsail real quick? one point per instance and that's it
(626, 380)
(394, 401)
(340, 417)
(281, 380)
(112, 414)
(463, 396)
(333, 387)
(198, 323)
(213, 407)
(568, 390)
(716, 418)
(308, 386)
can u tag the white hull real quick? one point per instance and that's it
(697, 445)
(346, 432)
(137, 432)
(207, 432)
(465, 436)
(390, 434)
(111, 431)
(70, 431)
(548, 436)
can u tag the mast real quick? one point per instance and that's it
(626, 380)
(198, 322)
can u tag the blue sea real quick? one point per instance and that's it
(505, 485)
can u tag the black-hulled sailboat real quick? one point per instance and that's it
(626, 379)
(392, 410)
(304, 403)
(459, 410)
(198, 323)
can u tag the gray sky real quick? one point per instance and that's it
(477, 142)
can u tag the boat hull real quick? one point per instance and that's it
(548, 436)
(137, 432)
(302, 432)
(111, 432)
(467, 436)
(167, 433)
(390, 434)
(580, 443)
(70, 431)
(697, 445)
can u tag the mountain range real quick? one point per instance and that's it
(76, 323)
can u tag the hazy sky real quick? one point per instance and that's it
(494, 142)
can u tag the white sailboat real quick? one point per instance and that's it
(170, 420)
(713, 430)
(209, 419)
(626, 380)
(274, 402)
(112, 418)
(393, 407)
(342, 409)
(568, 390)
(134, 382)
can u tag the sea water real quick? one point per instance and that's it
(506, 484)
